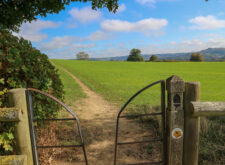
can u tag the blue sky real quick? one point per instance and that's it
(154, 26)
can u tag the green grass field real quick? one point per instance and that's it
(117, 81)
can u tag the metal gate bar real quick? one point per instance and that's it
(140, 115)
(147, 163)
(32, 126)
(138, 142)
(162, 113)
(54, 119)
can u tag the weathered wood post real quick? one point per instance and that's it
(17, 99)
(193, 109)
(191, 124)
(175, 120)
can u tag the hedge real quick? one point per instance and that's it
(23, 66)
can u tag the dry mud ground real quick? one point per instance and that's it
(98, 123)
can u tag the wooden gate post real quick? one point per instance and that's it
(175, 120)
(17, 99)
(191, 124)
(193, 110)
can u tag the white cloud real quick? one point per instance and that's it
(152, 2)
(71, 51)
(59, 42)
(207, 23)
(122, 7)
(147, 26)
(173, 43)
(111, 50)
(193, 45)
(65, 46)
(31, 31)
(116, 25)
(122, 49)
(71, 24)
(100, 35)
(146, 1)
(82, 46)
(85, 15)
(65, 42)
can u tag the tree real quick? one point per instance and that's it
(14, 12)
(197, 57)
(135, 55)
(153, 58)
(82, 56)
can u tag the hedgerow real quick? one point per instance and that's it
(23, 66)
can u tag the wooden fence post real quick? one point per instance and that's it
(17, 99)
(191, 124)
(11, 115)
(175, 120)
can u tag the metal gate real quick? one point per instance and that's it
(32, 125)
(163, 119)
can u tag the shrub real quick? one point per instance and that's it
(23, 66)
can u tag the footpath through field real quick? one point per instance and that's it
(98, 122)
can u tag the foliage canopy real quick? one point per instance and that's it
(14, 12)
(82, 56)
(135, 55)
(153, 58)
(198, 57)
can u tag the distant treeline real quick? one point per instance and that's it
(135, 55)
(210, 54)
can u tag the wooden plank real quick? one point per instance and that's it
(208, 108)
(10, 114)
(191, 124)
(13, 160)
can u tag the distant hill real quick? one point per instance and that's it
(210, 54)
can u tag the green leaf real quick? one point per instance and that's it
(10, 136)
(2, 81)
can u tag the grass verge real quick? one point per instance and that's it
(72, 89)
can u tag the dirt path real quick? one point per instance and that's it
(98, 122)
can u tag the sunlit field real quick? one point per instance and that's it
(117, 81)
